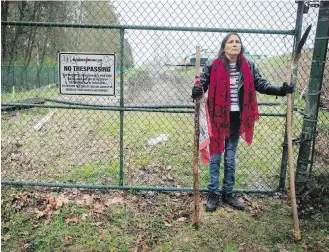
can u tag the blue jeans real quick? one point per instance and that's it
(231, 145)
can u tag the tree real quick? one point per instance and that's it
(30, 45)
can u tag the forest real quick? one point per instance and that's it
(39, 46)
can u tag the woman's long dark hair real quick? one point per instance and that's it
(221, 54)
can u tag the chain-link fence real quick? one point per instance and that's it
(23, 78)
(143, 135)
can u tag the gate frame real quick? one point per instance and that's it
(165, 109)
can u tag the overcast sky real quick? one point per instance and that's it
(172, 46)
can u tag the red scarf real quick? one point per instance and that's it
(219, 105)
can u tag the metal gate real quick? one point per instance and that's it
(142, 137)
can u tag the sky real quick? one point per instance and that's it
(171, 47)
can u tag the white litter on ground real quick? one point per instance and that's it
(159, 139)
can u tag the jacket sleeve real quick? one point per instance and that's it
(262, 85)
(205, 75)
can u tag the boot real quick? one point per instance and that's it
(233, 202)
(212, 202)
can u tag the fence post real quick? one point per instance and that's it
(298, 34)
(313, 95)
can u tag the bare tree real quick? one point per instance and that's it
(4, 16)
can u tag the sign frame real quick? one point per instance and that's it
(107, 69)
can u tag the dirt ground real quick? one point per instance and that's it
(160, 86)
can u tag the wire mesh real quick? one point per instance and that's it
(320, 164)
(86, 144)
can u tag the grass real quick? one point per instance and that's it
(130, 73)
(95, 172)
(150, 222)
(59, 235)
(22, 95)
(323, 121)
(282, 60)
(90, 163)
(140, 127)
(277, 61)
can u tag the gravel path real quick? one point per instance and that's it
(156, 86)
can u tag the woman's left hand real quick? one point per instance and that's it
(287, 88)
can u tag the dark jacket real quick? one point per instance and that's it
(261, 85)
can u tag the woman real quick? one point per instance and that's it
(232, 81)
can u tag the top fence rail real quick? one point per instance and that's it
(150, 28)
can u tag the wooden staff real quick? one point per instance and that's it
(297, 234)
(196, 208)
(292, 78)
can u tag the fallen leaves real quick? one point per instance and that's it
(151, 216)
(242, 246)
(71, 220)
(45, 206)
(19, 201)
(313, 201)
(141, 245)
(167, 222)
(51, 205)
(60, 201)
(23, 196)
(84, 200)
(181, 219)
(281, 247)
(68, 239)
(6, 237)
(113, 201)
(98, 224)
(98, 210)
(52, 201)
(24, 233)
(253, 207)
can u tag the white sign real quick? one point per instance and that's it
(86, 73)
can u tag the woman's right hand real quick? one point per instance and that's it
(197, 92)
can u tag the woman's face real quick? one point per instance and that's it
(233, 46)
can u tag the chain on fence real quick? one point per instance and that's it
(87, 139)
